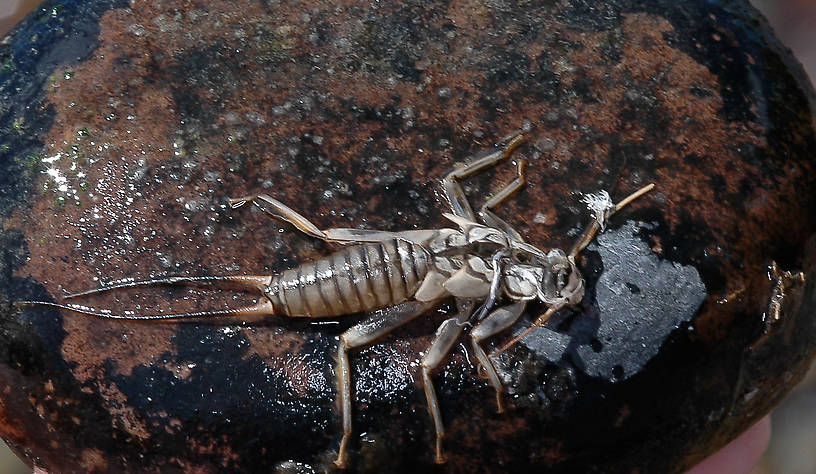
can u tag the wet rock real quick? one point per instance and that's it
(124, 129)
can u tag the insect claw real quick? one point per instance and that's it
(511, 140)
(499, 402)
(235, 203)
(440, 457)
(341, 461)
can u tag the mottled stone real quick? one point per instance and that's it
(125, 126)
(626, 336)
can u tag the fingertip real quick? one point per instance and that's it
(740, 455)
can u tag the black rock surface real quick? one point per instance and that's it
(124, 129)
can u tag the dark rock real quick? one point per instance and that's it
(123, 131)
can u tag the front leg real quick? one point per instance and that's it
(453, 190)
(494, 323)
(380, 323)
(490, 218)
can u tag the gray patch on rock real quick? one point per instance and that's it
(640, 298)
(545, 342)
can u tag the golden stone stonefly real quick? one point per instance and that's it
(484, 264)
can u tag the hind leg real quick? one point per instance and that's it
(379, 324)
(486, 211)
(340, 235)
(281, 211)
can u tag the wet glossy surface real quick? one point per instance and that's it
(124, 131)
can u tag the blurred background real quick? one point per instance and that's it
(793, 443)
(793, 438)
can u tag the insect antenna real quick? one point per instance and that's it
(600, 219)
(540, 321)
(241, 282)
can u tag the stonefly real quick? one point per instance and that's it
(484, 264)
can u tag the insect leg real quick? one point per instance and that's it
(281, 211)
(486, 211)
(445, 337)
(453, 190)
(379, 324)
(494, 323)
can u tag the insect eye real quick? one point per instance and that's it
(561, 278)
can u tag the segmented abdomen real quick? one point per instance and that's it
(359, 278)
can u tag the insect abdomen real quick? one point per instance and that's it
(359, 278)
